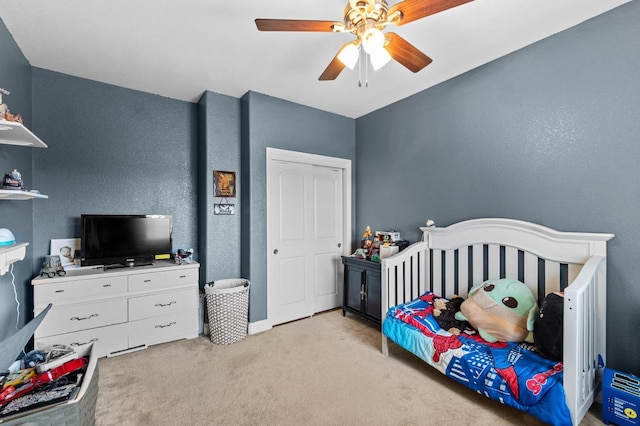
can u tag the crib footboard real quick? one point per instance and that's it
(584, 336)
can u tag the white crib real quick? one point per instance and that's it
(450, 260)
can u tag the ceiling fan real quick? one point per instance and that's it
(366, 19)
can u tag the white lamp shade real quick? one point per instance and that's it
(379, 58)
(372, 40)
(348, 55)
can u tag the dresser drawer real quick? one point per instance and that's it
(163, 329)
(162, 304)
(96, 288)
(161, 280)
(66, 319)
(105, 339)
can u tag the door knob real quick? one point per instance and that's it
(339, 245)
(275, 251)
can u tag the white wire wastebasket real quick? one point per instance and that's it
(228, 309)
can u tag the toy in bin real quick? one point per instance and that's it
(620, 398)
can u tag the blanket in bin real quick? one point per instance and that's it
(511, 373)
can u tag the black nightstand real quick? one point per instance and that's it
(362, 288)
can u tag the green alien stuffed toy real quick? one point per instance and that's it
(501, 310)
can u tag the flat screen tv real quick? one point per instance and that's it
(124, 240)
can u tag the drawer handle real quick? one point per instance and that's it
(183, 276)
(106, 285)
(59, 291)
(147, 281)
(85, 343)
(165, 326)
(85, 318)
(162, 305)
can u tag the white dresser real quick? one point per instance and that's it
(118, 309)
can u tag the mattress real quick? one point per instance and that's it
(510, 373)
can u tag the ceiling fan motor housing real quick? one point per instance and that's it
(360, 16)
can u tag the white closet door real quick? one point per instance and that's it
(305, 203)
(327, 236)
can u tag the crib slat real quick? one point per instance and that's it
(463, 271)
(413, 277)
(511, 262)
(391, 288)
(402, 279)
(478, 263)
(449, 273)
(551, 276)
(406, 288)
(423, 268)
(436, 268)
(531, 271)
(494, 261)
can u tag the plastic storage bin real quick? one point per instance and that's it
(228, 309)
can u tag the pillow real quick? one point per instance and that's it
(547, 327)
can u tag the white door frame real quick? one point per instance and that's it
(318, 160)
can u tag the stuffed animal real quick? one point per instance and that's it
(501, 310)
(547, 327)
(444, 312)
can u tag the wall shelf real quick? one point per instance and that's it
(10, 194)
(11, 254)
(14, 133)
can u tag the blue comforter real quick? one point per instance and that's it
(511, 373)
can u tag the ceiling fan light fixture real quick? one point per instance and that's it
(379, 58)
(372, 40)
(349, 55)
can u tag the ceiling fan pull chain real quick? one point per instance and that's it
(360, 50)
(366, 69)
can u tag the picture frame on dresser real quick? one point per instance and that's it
(68, 249)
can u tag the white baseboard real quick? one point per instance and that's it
(259, 326)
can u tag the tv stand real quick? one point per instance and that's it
(118, 309)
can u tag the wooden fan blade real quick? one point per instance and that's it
(412, 10)
(406, 53)
(332, 71)
(295, 25)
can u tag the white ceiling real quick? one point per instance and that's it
(179, 49)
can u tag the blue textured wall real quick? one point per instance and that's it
(548, 134)
(275, 123)
(111, 150)
(15, 76)
(219, 149)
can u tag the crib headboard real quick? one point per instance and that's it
(452, 259)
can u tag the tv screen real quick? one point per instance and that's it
(124, 240)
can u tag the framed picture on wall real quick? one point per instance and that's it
(224, 184)
(68, 249)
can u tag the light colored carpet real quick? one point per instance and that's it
(323, 370)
